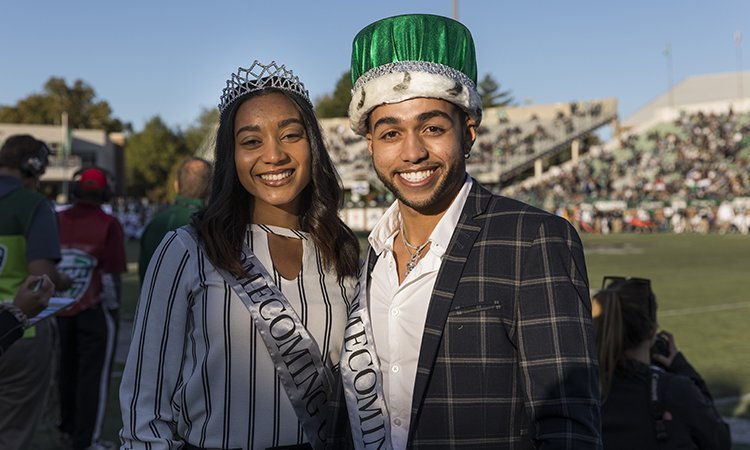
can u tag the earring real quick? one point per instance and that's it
(466, 155)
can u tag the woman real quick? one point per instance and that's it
(227, 348)
(645, 406)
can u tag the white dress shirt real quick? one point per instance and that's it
(398, 312)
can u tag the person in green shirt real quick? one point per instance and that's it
(193, 186)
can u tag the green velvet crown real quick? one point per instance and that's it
(409, 56)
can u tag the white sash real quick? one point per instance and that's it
(361, 376)
(296, 356)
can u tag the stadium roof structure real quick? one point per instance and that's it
(708, 93)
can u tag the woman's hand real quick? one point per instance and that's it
(666, 361)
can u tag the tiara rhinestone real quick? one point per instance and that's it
(261, 76)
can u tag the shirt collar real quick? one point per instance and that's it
(188, 202)
(381, 236)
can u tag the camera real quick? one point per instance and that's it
(661, 346)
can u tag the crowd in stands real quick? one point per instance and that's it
(689, 176)
(500, 142)
(133, 214)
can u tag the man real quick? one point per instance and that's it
(94, 255)
(28, 246)
(478, 304)
(192, 185)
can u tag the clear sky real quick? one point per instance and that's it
(171, 58)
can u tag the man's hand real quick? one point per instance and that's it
(34, 294)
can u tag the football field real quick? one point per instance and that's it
(702, 285)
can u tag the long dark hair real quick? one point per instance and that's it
(223, 222)
(627, 318)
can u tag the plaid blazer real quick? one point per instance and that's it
(508, 357)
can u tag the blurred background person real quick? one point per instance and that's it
(31, 299)
(192, 186)
(652, 397)
(93, 250)
(30, 246)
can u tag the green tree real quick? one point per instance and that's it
(150, 156)
(78, 100)
(201, 135)
(336, 104)
(491, 94)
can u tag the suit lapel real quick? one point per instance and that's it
(448, 276)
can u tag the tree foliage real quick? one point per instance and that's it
(491, 94)
(151, 155)
(78, 100)
(201, 135)
(337, 103)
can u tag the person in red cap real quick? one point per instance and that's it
(93, 251)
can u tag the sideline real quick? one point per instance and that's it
(703, 309)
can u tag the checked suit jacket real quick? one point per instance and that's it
(508, 357)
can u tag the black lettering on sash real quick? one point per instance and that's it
(265, 288)
(357, 353)
(289, 351)
(368, 388)
(354, 305)
(253, 276)
(354, 321)
(365, 408)
(380, 442)
(276, 321)
(354, 339)
(372, 430)
(320, 394)
(322, 430)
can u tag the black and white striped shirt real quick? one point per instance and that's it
(198, 370)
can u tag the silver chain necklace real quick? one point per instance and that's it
(414, 257)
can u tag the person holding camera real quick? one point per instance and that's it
(652, 398)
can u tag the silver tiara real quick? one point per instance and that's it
(261, 76)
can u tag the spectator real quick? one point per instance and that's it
(193, 186)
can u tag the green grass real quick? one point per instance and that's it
(702, 284)
(688, 272)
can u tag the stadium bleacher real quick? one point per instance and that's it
(692, 175)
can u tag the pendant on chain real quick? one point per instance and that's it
(413, 257)
(410, 265)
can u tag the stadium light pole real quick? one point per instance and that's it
(455, 9)
(670, 78)
(740, 87)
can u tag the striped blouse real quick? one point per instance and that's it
(198, 370)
